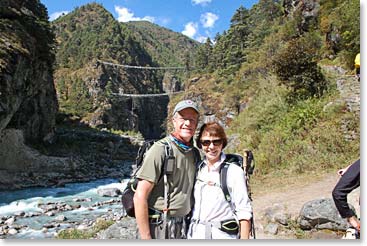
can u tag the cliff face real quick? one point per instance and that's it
(142, 114)
(27, 93)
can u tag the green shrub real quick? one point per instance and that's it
(296, 67)
(99, 225)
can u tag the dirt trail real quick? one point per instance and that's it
(293, 197)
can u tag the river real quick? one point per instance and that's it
(31, 212)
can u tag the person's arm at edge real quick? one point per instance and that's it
(245, 227)
(141, 207)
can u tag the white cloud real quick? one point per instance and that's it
(56, 15)
(208, 19)
(202, 2)
(191, 29)
(201, 39)
(164, 21)
(125, 15)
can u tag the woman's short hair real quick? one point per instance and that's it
(215, 130)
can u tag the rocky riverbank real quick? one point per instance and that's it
(71, 155)
(81, 208)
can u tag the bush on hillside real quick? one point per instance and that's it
(296, 67)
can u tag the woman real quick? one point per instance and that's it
(212, 214)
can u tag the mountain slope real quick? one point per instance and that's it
(167, 48)
(85, 87)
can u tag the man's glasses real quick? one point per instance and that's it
(216, 142)
(192, 121)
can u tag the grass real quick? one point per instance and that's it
(99, 225)
(297, 138)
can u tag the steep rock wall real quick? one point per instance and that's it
(145, 114)
(27, 93)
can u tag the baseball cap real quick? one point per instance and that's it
(186, 104)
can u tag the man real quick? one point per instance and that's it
(149, 195)
(349, 181)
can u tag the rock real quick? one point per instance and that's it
(28, 95)
(82, 199)
(124, 229)
(27, 90)
(10, 221)
(321, 214)
(277, 213)
(271, 228)
(50, 213)
(12, 231)
(60, 218)
(20, 213)
(82, 227)
(109, 192)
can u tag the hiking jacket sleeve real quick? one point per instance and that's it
(238, 191)
(346, 184)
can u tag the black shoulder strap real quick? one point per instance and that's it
(223, 180)
(197, 155)
(250, 162)
(234, 159)
(223, 171)
(168, 155)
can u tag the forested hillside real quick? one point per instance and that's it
(272, 80)
(167, 48)
(86, 35)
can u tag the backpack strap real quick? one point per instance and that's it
(248, 167)
(223, 174)
(168, 166)
(223, 180)
(197, 155)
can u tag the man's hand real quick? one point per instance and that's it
(353, 221)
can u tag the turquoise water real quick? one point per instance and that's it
(28, 201)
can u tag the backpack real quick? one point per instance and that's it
(248, 167)
(127, 197)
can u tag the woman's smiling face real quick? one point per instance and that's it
(212, 147)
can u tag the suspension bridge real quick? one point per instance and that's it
(141, 67)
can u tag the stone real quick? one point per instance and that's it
(321, 214)
(277, 213)
(109, 192)
(271, 228)
(12, 231)
(124, 229)
(10, 221)
(60, 218)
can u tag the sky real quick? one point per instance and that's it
(197, 19)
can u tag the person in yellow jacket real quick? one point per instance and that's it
(357, 65)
